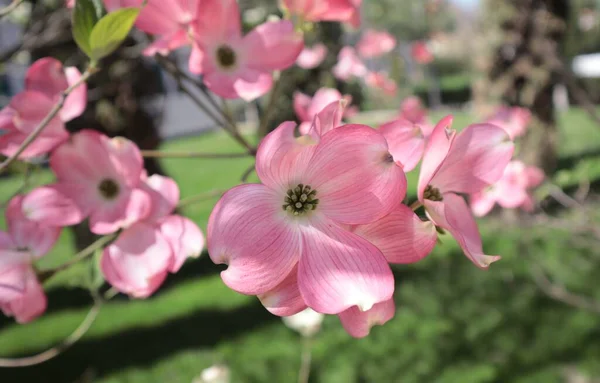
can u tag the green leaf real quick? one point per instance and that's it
(111, 31)
(85, 17)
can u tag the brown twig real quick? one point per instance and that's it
(42, 125)
(56, 350)
(247, 173)
(266, 118)
(10, 7)
(45, 275)
(561, 294)
(200, 197)
(161, 154)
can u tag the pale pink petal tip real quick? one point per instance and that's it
(358, 323)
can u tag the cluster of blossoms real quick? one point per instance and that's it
(327, 219)
(98, 179)
(233, 65)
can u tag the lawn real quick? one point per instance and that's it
(454, 323)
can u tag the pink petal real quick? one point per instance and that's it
(274, 45)
(252, 84)
(197, 60)
(453, 215)
(50, 206)
(311, 58)
(359, 323)
(281, 158)
(11, 142)
(339, 269)
(412, 110)
(355, 176)
(84, 159)
(401, 236)
(375, 43)
(164, 193)
(185, 238)
(137, 262)
(328, 119)
(482, 203)
(436, 152)
(217, 21)
(76, 102)
(31, 303)
(535, 176)
(247, 84)
(285, 299)
(249, 231)
(47, 76)
(163, 17)
(132, 206)
(477, 158)
(406, 142)
(168, 43)
(13, 276)
(38, 239)
(301, 104)
(126, 159)
(323, 98)
(31, 107)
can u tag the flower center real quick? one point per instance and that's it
(226, 56)
(432, 194)
(108, 188)
(300, 200)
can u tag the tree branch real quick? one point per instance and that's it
(160, 154)
(10, 7)
(59, 349)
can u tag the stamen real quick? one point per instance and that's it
(109, 189)
(433, 194)
(300, 200)
(226, 56)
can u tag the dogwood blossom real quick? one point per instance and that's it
(236, 66)
(45, 81)
(463, 163)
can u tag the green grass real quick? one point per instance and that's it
(452, 319)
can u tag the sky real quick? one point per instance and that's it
(467, 3)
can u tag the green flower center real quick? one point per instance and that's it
(109, 189)
(300, 200)
(226, 56)
(432, 194)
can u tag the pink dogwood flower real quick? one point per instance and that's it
(21, 295)
(312, 57)
(138, 262)
(102, 177)
(307, 108)
(421, 53)
(45, 81)
(381, 81)
(292, 226)
(349, 65)
(375, 43)
(168, 20)
(402, 238)
(463, 163)
(513, 190)
(514, 120)
(236, 66)
(346, 11)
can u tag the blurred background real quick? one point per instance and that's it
(533, 317)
